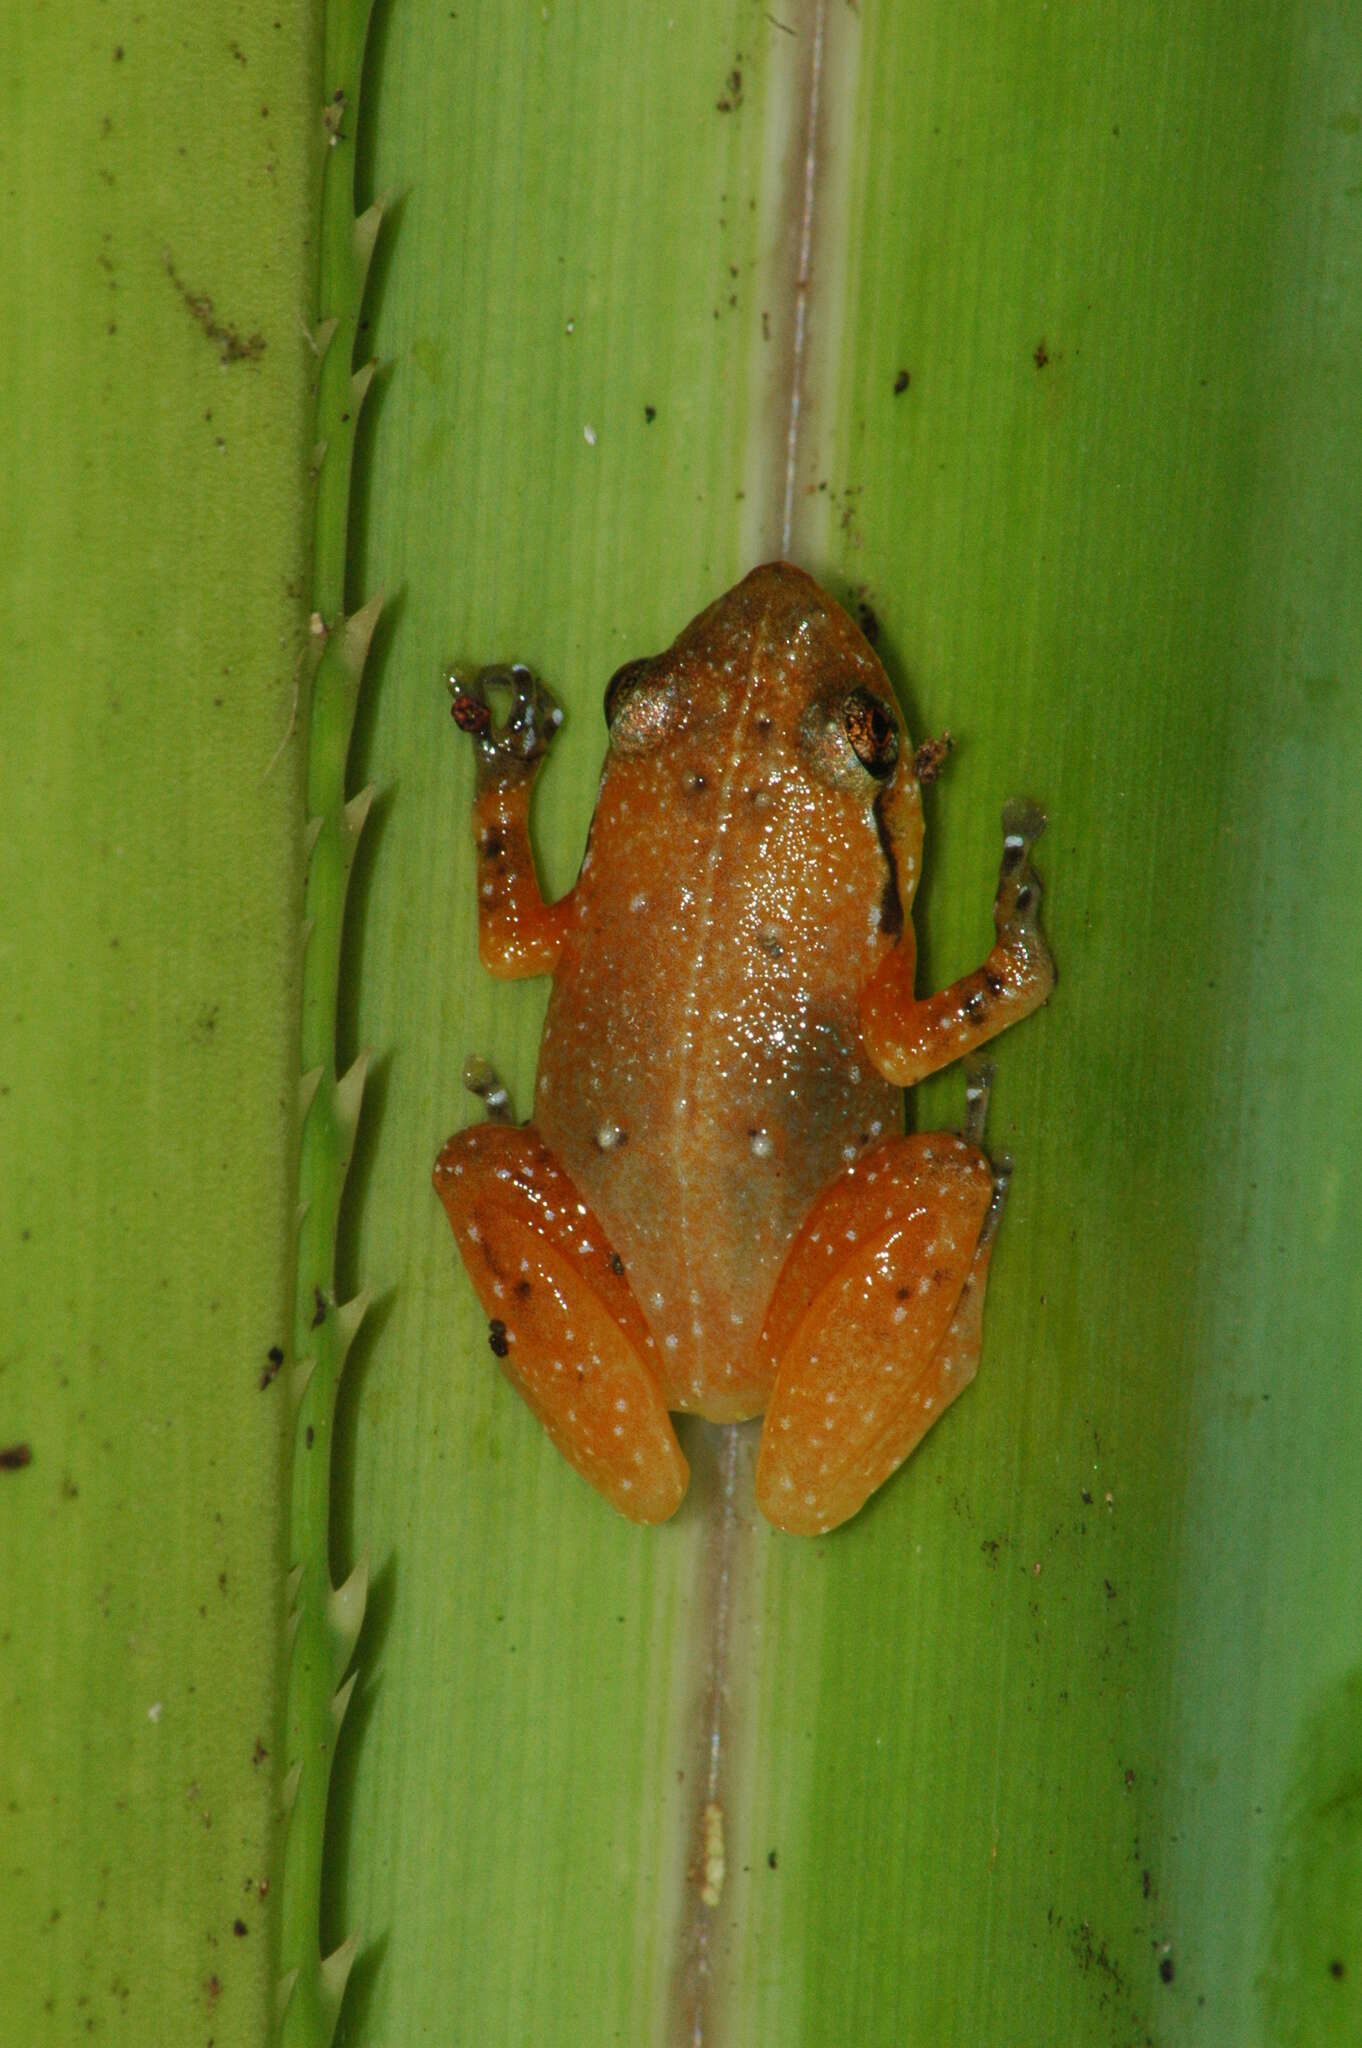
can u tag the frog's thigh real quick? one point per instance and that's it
(564, 1322)
(874, 1326)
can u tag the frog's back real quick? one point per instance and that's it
(701, 1075)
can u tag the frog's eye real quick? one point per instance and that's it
(640, 707)
(873, 734)
(621, 687)
(847, 735)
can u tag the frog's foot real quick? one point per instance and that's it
(978, 1088)
(519, 739)
(481, 1078)
(1016, 907)
(562, 1318)
(875, 1325)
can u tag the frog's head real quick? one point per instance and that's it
(776, 664)
(771, 705)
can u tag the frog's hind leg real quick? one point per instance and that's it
(563, 1321)
(876, 1322)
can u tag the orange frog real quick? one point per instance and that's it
(715, 1208)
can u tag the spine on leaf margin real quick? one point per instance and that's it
(324, 1620)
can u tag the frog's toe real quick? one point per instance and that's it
(532, 714)
(1018, 903)
(1023, 823)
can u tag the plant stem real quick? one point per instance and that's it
(324, 1620)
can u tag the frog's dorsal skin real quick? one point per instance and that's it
(702, 1074)
(731, 1024)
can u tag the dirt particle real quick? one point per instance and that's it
(232, 345)
(932, 756)
(1040, 355)
(1166, 1971)
(901, 382)
(14, 1457)
(731, 98)
(497, 1341)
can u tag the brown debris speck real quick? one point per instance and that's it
(932, 756)
(232, 345)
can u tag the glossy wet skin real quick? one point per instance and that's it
(702, 1074)
(714, 1207)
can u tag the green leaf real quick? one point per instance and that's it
(1057, 1741)
(154, 531)
(1018, 1741)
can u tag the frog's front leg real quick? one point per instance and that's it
(875, 1324)
(518, 932)
(908, 1039)
(563, 1320)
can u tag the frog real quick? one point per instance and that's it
(714, 1208)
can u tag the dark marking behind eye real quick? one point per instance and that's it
(891, 903)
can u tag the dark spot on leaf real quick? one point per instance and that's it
(496, 1338)
(1166, 1969)
(732, 94)
(318, 1308)
(14, 1457)
(231, 344)
(901, 383)
(269, 1372)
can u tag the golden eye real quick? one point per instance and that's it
(621, 687)
(874, 737)
(640, 707)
